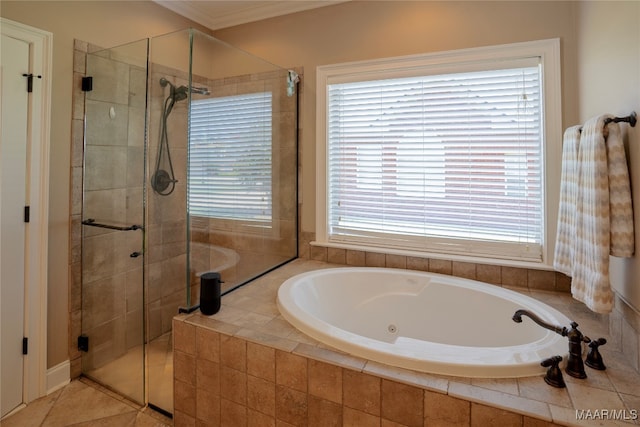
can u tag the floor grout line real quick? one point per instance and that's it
(59, 391)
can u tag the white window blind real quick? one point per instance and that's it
(230, 166)
(447, 162)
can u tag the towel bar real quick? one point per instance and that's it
(632, 119)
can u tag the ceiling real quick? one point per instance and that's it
(217, 14)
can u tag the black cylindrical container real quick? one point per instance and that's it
(210, 293)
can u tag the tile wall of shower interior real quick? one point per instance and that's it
(111, 311)
(111, 299)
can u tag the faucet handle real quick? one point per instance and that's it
(574, 331)
(554, 374)
(594, 358)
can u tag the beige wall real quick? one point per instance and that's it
(600, 48)
(102, 23)
(600, 44)
(362, 30)
(609, 82)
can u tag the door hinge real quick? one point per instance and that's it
(25, 345)
(83, 343)
(27, 213)
(30, 81)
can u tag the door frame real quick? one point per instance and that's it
(36, 256)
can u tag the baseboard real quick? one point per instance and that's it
(58, 376)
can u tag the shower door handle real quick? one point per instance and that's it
(92, 222)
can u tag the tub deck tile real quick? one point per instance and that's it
(529, 398)
(259, 337)
(405, 376)
(343, 360)
(278, 327)
(303, 338)
(212, 323)
(505, 385)
(506, 401)
(585, 397)
(529, 388)
(595, 379)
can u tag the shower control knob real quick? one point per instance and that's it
(135, 254)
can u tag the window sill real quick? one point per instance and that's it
(432, 255)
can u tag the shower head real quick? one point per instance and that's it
(200, 90)
(180, 93)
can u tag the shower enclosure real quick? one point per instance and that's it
(190, 166)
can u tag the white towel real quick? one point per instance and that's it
(563, 258)
(603, 203)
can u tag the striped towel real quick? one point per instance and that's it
(620, 204)
(603, 221)
(563, 259)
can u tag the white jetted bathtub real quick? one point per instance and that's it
(423, 321)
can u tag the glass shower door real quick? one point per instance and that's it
(113, 220)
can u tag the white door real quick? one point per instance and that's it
(13, 192)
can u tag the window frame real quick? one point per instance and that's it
(452, 62)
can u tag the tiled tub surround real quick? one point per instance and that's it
(247, 366)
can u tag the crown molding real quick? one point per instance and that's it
(216, 15)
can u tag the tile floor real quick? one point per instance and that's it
(160, 360)
(125, 374)
(83, 403)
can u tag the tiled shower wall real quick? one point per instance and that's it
(240, 252)
(213, 247)
(226, 247)
(166, 251)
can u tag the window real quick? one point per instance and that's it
(230, 171)
(439, 153)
